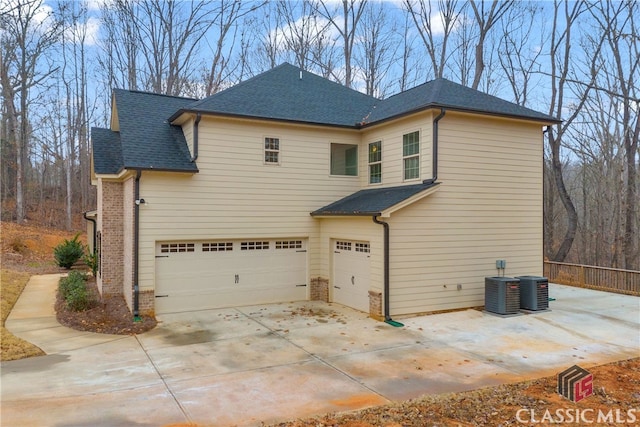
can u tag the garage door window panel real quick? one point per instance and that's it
(217, 246)
(177, 247)
(253, 246)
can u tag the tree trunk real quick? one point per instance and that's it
(565, 198)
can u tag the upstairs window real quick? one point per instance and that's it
(344, 159)
(272, 150)
(411, 155)
(375, 162)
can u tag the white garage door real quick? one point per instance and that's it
(214, 274)
(351, 266)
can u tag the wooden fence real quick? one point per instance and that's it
(588, 276)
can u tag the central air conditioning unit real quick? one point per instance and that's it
(502, 295)
(534, 292)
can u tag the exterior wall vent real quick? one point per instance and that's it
(534, 292)
(502, 295)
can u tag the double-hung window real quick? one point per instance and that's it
(272, 151)
(375, 162)
(411, 155)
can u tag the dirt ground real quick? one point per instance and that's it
(616, 392)
(616, 389)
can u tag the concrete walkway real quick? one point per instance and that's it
(244, 365)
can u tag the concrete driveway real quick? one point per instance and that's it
(245, 365)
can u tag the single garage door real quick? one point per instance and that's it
(213, 274)
(351, 277)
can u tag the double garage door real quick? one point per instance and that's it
(197, 275)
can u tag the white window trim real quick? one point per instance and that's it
(411, 156)
(369, 164)
(358, 154)
(265, 150)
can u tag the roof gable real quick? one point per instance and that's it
(146, 139)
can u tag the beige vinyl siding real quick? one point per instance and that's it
(235, 195)
(187, 130)
(391, 136)
(489, 207)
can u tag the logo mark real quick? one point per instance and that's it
(575, 383)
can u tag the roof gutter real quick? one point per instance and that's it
(195, 137)
(387, 316)
(434, 157)
(136, 243)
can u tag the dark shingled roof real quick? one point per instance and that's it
(107, 151)
(280, 94)
(372, 201)
(146, 139)
(446, 94)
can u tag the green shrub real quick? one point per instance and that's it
(68, 252)
(91, 259)
(73, 289)
(73, 280)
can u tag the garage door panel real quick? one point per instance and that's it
(351, 274)
(264, 272)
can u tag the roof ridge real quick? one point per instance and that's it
(144, 92)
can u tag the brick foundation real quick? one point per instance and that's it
(375, 305)
(146, 303)
(319, 289)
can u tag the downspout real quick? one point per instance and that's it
(95, 230)
(435, 148)
(195, 137)
(136, 240)
(387, 317)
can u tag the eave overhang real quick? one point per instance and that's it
(380, 202)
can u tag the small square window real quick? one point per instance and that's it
(272, 150)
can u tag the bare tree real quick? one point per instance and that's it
(121, 44)
(345, 20)
(519, 55)
(435, 27)
(300, 30)
(565, 16)
(269, 50)
(377, 47)
(170, 33)
(409, 69)
(617, 21)
(486, 19)
(226, 15)
(28, 35)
